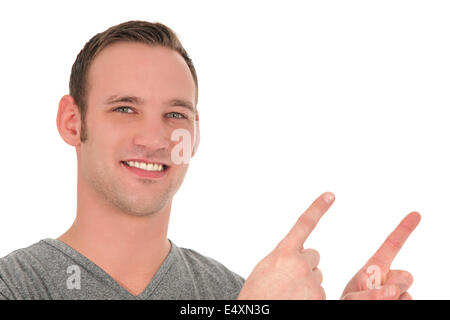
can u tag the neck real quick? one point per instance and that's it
(119, 243)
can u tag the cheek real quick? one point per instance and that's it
(100, 150)
(182, 138)
(180, 155)
(177, 174)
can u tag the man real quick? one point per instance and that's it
(131, 88)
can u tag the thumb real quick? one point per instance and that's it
(387, 292)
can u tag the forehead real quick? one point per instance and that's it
(139, 69)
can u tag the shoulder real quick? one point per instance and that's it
(23, 269)
(30, 257)
(21, 259)
(209, 274)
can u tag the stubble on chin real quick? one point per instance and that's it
(125, 201)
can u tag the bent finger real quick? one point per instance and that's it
(312, 256)
(403, 279)
(317, 275)
(405, 296)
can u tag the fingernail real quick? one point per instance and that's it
(390, 290)
(329, 197)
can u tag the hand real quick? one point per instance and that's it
(393, 283)
(289, 271)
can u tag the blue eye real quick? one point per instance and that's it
(176, 115)
(122, 109)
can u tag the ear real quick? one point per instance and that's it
(68, 121)
(196, 134)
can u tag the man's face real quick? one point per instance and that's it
(120, 130)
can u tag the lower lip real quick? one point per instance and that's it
(146, 174)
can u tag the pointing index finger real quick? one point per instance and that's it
(308, 221)
(394, 242)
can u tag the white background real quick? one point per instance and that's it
(295, 98)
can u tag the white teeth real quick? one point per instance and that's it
(145, 166)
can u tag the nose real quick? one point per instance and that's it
(151, 133)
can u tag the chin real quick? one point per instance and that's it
(143, 207)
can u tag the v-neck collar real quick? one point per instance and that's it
(104, 277)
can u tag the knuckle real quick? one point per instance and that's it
(320, 294)
(312, 252)
(401, 277)
(307, 222)
(282, 255)
(397, 245)
(409, 277)
(316, 253)
(288, 261)
(319, 275)
(312, 256)
(303, 267)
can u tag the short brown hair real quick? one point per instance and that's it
(154, 34)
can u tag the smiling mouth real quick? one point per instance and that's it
(150, 167)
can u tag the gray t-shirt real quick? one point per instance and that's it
(50, 269)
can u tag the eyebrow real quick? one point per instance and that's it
(130, 99)
(136, 100)
(180, 103)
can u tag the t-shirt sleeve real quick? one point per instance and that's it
(211, 278)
